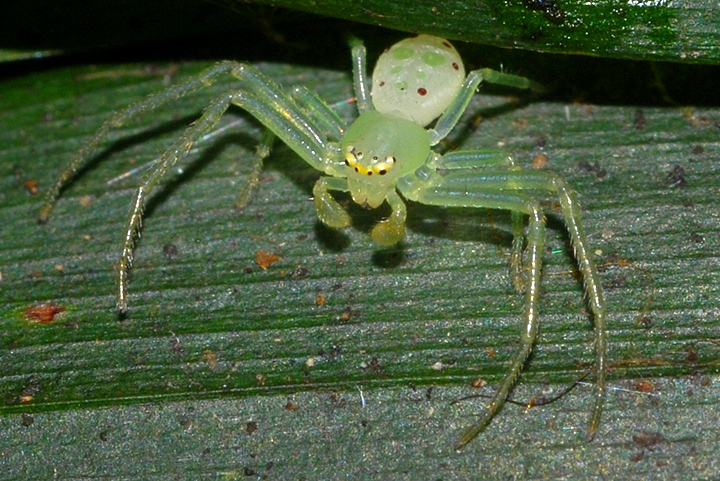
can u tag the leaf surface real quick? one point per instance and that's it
(339, 351)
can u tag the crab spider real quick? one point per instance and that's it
(385, 155)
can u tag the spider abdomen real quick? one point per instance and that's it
(417, 78)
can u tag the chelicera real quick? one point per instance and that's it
(419, 92)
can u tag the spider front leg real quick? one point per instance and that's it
(266, 91)
(300, 127)
(284, 118)
(329, 121)
(177, 151)
(85, 154)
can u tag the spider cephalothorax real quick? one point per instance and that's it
(379, 149)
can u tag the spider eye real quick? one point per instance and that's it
(382, 168)
(350, 157)
(350, 160)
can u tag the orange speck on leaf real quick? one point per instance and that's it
(478, 383)
(644, 386)
(265, 259)
(31, 186)
(211, 358)
(44, 313)
(539, 161)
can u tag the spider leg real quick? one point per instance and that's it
(84, 155)
(360, 80)
(332, 125)
(328, 119)
(449, 119)
(509, 80)
(178, 150)
(466, 159)
(264, 88)
(549, 182)
(253, 177)
(284, 118)
(504, 189)
(460, 160)
(298, 123)
(458, 196)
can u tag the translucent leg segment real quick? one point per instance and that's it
(449, 119)
(332, 125)
(360, 80)
(536, 243)
(509, 80)
(292, 127)
(480, 159)
(308, 140)
(253, 177)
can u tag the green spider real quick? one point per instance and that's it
(385, 155)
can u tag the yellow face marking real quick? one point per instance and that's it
(379, 168)
(361, 169)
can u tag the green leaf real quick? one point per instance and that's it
(222, 369)
(649, 30)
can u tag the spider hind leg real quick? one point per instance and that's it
(454, 184)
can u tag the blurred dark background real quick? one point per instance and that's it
(80, 32)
